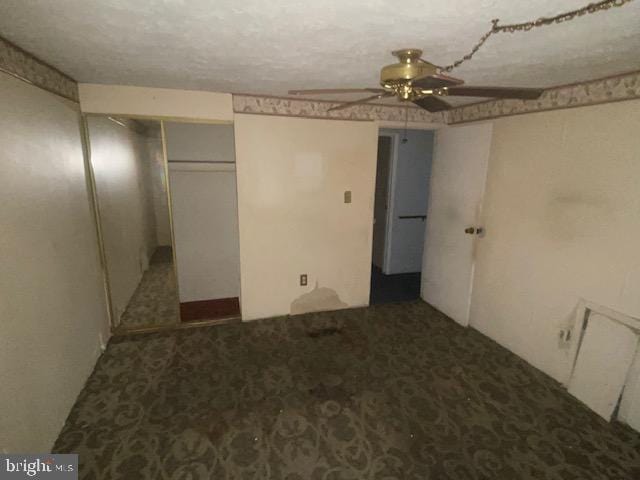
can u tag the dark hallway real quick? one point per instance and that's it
(402, 287)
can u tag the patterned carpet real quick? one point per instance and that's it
(155, 301)
(393, 391)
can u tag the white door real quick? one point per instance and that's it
(458, 176)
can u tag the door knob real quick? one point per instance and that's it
(470, 230)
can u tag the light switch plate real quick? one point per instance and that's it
(303, 280)
(347, 196)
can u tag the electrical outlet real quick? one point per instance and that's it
(347, 196)
(303, 280)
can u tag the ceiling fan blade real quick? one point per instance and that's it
(432, 104)
(336, 90)
(358, 102)
(495, 92)
(436, 81)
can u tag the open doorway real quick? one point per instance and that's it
(400, 209)
(202, 179)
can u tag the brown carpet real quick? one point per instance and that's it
(394, 391)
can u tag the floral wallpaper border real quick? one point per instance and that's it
(21, 64)
(610, 89)
(267, 105)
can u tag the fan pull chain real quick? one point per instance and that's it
(406, 123)
(542, 21)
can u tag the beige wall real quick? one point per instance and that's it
(122, 164)
(562, 219)
(292, 175)
(52, 303)
(156, 102)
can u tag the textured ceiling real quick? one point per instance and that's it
(269, 47)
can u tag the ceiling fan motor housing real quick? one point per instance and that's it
(408, 68)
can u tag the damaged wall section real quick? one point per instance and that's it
(292, 175)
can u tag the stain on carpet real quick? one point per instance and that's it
(402, 392)
(324, 332)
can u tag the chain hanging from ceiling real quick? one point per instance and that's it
(526, 26)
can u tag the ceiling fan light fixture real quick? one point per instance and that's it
(409, 67)
(415, 80)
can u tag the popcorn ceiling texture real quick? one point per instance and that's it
(128, 42)
(267, 48)
(622, 87)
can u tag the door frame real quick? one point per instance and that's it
(391, 188)
(389, 199)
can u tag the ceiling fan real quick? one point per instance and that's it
(415, 80)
